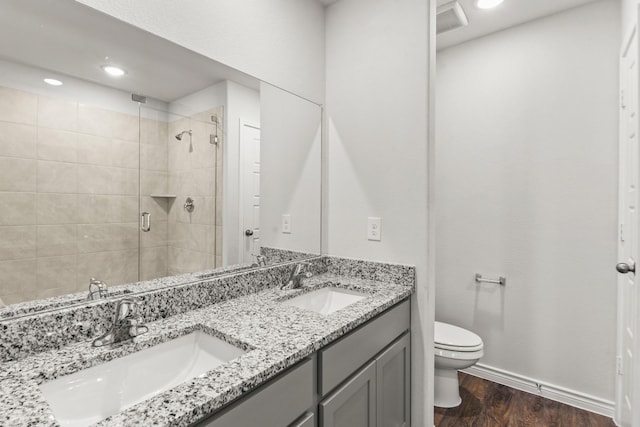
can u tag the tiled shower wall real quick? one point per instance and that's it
(154, 177)
(70, 177)
(195, 170)
(69, 182)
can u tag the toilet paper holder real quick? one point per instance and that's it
(502, 280)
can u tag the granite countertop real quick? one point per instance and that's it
(275, 336)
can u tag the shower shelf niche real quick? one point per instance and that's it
(162, 195)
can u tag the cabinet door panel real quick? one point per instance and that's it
(276, 404)
(308, 420)
(393, 384)
(354, 403)
(342, 358)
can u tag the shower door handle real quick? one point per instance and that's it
(145, 222)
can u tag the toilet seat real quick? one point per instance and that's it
(456, 339)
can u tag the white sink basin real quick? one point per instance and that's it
(326, 300)
(93, 394)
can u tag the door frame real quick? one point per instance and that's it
(622, 372)
(241, 183)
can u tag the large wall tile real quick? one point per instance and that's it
(107, 237)
(95, 209)
(158, 207)
(18, 107)
(57, 177)
(153, 157)
(185, 260)
(95, 121)
(17, 208)
(125, 154)
(57, 145)
(57, 113)
(56, 273)
(18, 140)
(110, 124)
(157, 236)
(17, 174)
(56, 240)
(57, 209)
(153, 182)
(17, 242)
(93, 150)
(153, 262)
(17, 277)
(204, 153)
(97, 150)
(115, 268)
(153, 132)
(107, 180)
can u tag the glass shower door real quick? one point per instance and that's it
(179, 180)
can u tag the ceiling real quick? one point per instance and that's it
(69, 38)
(508, 14)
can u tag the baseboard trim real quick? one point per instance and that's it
(549, 391)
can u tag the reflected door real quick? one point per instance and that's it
(628, 386)
(250, 187)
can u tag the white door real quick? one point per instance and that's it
(627, 384)
(250, 191)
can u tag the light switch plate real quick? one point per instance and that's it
(286, 224)
(374, 231)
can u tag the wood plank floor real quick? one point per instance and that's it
(487, 404)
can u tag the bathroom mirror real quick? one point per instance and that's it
(205, 169)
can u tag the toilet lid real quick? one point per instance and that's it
(450, 337)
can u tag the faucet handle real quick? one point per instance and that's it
(97, 287)
(128, 308)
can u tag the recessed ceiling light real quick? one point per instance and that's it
(113, 71)
(488, 4)
(53, 82)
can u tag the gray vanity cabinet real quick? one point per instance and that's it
(280, 402)
(371, 369)
(360, 380)
(393, 384)
(354, 403)
(377, 395)
(307, 420)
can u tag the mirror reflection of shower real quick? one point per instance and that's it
(179, 136)
(190, 132)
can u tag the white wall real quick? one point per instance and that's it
(527, 187)
(278, 41)
(377, 71)
(290, 170)
(200, 101)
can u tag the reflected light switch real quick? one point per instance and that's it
(373, 229)
(286, 224)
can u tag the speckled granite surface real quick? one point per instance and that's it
(277, 336)
(80, 298)
(161, 298)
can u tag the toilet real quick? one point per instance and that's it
(455, 348)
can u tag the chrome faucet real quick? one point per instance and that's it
(126, 323)
(262, 260)
(97, 289)
(296, 276)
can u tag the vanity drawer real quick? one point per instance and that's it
(278, 403)
(342, 358)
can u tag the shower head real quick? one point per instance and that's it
(179, 136)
